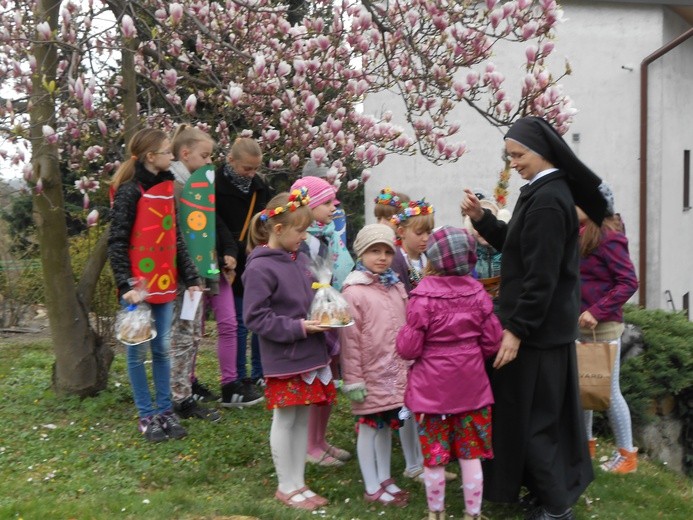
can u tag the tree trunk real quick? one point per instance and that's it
(81, 359)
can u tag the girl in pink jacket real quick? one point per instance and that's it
(450, 331)
(374, 375)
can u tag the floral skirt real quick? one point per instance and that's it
(378, 420)
(294, 391)
(462, 436)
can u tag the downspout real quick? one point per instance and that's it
(643, 156)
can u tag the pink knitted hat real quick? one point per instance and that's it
(319, 190)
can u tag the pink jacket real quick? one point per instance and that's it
(450, 331)
(368, 354)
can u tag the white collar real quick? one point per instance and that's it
(541, 174)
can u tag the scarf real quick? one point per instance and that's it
(242, 183)
(388, 278)
(342, 263)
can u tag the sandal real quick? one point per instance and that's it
(404, 495)
(338, 453)
(316, 499)
(285, 498)
(378, 497)
(326, 460)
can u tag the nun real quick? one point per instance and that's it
(538, 438)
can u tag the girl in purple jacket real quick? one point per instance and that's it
(295, 361)
(607, 281)
(450, 331)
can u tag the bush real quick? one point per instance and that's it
(665, 368)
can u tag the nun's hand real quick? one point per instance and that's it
(510, 344)
(471, 206)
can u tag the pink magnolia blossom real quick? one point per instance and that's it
(88, 101)
(531, 54)
(365, 175)
(85, 201)
(44, 31)
(191, 104)
(127, 27)
(49, 134)
(353, 184)
(235, 93)
(312, 105)
(38, 189)
(92, 218)
(318, 155)
(176, 12)
(170, 78)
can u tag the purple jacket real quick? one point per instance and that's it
(450, 331)
(607, 278)
(276, 300)
(399, 266)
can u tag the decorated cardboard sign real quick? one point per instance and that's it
(197, 221)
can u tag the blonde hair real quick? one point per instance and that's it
(419, 223)
(243, 146)
(429, 270)
(187, 136)
(387, 211)
(260, 230)
(147, 140)
(593, 234)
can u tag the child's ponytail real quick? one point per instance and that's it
(258, 232)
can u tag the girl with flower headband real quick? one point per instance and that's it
(387, 204)
(295, 360)
(414, 223)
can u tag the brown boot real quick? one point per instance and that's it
(592, 444)
(435, 515)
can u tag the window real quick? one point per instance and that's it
(685, 305)
(686, 180)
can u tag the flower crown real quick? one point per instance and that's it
(414, 209)
(387, 197)
(297, 198)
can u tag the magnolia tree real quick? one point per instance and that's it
(79, 76)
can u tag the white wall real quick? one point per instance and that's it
(605, 44)
(673, 73)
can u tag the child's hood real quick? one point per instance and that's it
(265, 252)
(359, 278)
(447, 286)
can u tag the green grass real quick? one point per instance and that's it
(83, 459)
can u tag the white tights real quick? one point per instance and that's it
(288, 442)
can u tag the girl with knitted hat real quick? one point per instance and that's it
(374, 375)
(450, 332)
(322, 241)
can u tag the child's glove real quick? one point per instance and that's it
(355, 392)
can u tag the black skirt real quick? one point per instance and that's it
(538, 429)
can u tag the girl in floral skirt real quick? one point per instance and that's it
(450, 331)
(295, 360)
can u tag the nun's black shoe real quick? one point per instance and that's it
(542, 514)
(529, 501)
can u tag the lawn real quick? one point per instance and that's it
(66, 458)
